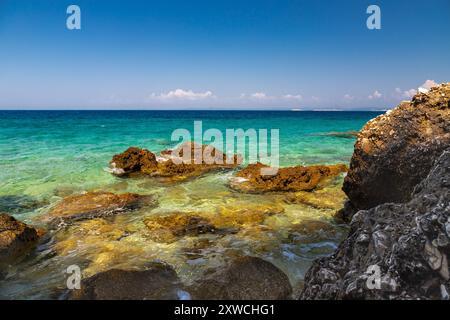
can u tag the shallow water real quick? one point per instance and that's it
(48, 155)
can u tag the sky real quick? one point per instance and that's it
(217, 54)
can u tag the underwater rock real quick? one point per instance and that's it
(345, 134)
(237, 217)
(16, 204)
(158, 282)
(171, 227)
(310, 231)
(245, 278)
(327, 198)
(168, 228)
(97, 204)
(16, 238)
(393, 251)
(396, 150)
(297, 178)
(172, 163)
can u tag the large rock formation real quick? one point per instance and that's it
(396, 150)
(299, 178)
(393, 251)
(97, 204)
(158, 282)
(175, 165)
(246, 278)
(16, 238)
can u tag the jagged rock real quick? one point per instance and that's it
(97, 204)
(409, 243)
(396, 150)
(16, 238)
(172, 163)
(246, 278)
(158, 282)
(132, 160)
(299, 178)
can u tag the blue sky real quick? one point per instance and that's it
(175, 54)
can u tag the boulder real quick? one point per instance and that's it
(158, 282)
(245, 278)
(97, 204)
(16, 239)
(172, 164)
(132, 160)
(396, 150)
(299, 178)
(393, 251)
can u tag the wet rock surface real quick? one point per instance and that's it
(393, 251)
(158, 282)
(299, 178)
(396, 150)
(186, 161)
(97, 204)
(16, 239)
(246, 278)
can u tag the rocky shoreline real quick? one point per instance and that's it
(398, 210)
(398, 187)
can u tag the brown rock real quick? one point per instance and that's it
(297, 178)
(159, 282)
(134, 160)
(16, 238)
(97, 204)
(246, 278)
(171, 164)
(168, 228)
(396, 150)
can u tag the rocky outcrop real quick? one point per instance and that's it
(158, 282)
(299, 178)
(97, 204)
(16, 239)
(246, 278)
(174, 165)
(396, 150)
(393, 251)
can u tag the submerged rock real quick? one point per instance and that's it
(299, 178)
(16, 239)
(173, 164)
(158, 282)
(168, 228)
(97, 204)
(393, 251)
(245, 278)
(344, 134)
(227, 220)
(396, 150)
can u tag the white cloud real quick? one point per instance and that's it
(375, 95)
(265, 97)
(407, 94)
(348, 97)
(293, 97)
(180, 94)
(429, 84)
(259, 95)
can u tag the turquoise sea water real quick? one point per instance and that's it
(46, 155)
